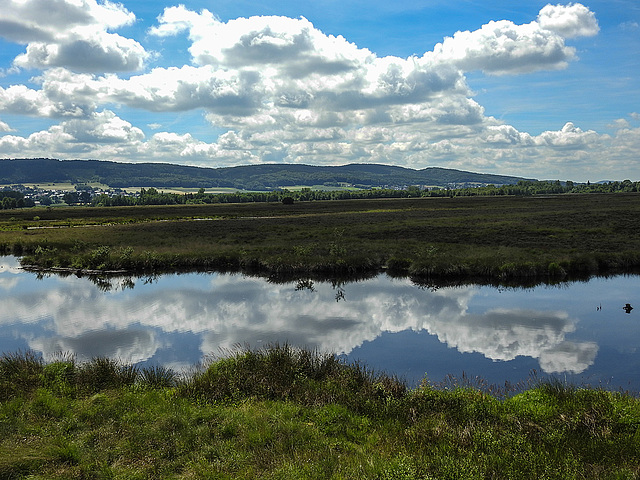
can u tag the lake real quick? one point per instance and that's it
(578, 332)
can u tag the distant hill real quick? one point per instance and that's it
(250, 177)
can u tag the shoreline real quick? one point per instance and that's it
(347, 275)
(481, 239)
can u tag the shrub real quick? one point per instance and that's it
(556, 270)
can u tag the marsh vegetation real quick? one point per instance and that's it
(477, 238)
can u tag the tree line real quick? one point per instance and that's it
(151, 196)
(10, 199)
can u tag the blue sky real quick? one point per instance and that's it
(527, 88)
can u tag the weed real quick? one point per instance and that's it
(337, 246)
(303, 250)
(59, 376)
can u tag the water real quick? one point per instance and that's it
(578, 332)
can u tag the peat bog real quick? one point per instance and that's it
(495, 239)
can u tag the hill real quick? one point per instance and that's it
(249, 177)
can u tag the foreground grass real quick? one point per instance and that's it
(490, 238)
(286, 413)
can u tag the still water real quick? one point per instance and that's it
(578, 331)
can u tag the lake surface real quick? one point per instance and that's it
(577, 331)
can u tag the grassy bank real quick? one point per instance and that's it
(285, 413)
(490, 238)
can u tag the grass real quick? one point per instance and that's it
(281, 413)
(498, 239)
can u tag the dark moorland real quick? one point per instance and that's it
(462, 238)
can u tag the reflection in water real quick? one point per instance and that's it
(180, 318)
(506, 334)
(131, 345)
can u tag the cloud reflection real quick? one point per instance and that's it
(507, 334)
(130, 346)
(228, 310)
(9, 271)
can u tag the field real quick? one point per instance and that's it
(537, 238)
(282, 413)
(322, 187)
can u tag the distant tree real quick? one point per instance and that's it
(414, 191)
(70, 198)
(287, 200)
(8, 203)
(10, 199)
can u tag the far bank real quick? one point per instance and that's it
(495, 239)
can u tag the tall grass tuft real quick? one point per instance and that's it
(158, 376)
(104, 373)
(283, 372)
(60, 375)
(20, 373)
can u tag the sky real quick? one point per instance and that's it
(529, 88)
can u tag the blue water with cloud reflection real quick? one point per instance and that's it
(578, 331)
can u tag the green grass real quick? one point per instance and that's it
(498, 239)
(282, 413)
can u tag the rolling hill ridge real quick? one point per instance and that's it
(248, 177)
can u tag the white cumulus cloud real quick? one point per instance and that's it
(71, 33)
(573, 20)
(279, 89)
